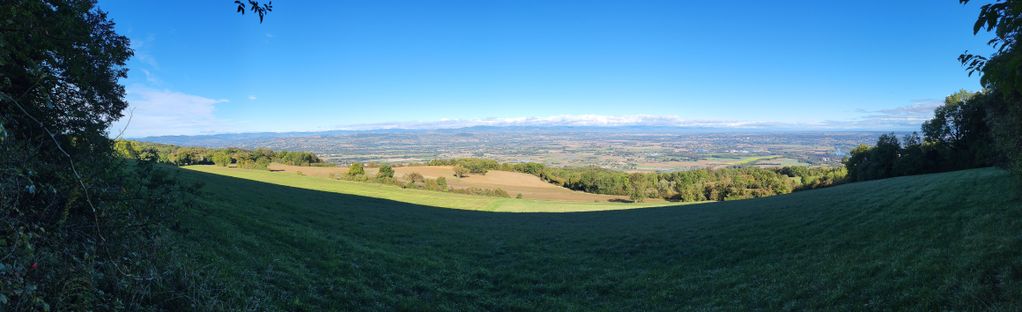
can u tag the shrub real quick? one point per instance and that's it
(386, 171)
(414, 177)
(481, 191)
(356, 169)
(460, 171)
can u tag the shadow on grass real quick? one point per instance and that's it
(213, 184)
(858, 242)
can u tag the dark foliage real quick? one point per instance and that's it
(1001, 76)
(958, 137)
(182, 156)
(697, 185)
(80, 229)
(260, 9)
(471, 165)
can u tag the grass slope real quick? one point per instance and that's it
(421, 197)
(950, 241)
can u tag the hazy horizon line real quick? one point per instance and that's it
(876, 124)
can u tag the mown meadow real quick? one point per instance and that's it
(947, 241)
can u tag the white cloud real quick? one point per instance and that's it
(918, 111)
(150, 77)
(908, 117)
(142, 47)
(251, 97)
(587, 120)
(164, 112)
(904, 118)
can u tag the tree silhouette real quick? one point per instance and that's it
(1001, 73)
(260, 9)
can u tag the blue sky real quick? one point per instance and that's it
(200, 68)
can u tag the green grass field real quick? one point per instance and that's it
(950, 241)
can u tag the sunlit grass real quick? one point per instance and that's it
(415, 196)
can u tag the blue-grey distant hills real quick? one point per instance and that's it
(252, 138)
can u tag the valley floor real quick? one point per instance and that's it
(950, 241)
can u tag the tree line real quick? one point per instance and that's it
(259, 158)
(961, 135)
(687, 186)
(465, 166)
(970, 129)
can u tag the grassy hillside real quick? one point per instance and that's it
(940, 241)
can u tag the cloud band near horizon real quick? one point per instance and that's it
(158, 112)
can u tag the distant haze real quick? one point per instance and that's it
(905, 119)
(631, 148)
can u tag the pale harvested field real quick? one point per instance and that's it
(513, 182)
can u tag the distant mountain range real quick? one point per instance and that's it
(230, 139)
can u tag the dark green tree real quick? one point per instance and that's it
(1001, 74)
(876, 162)
(946, 125)
(858, 163)
(912, 156)
(68, 203)
(960, 132)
